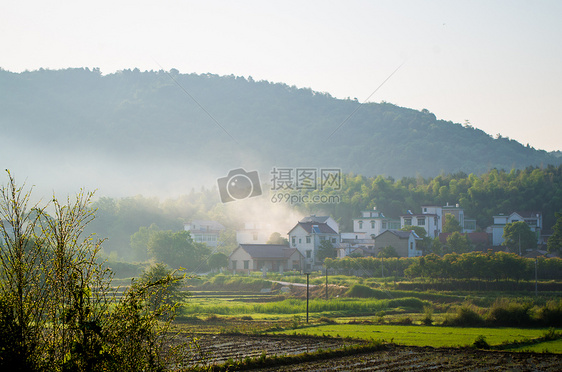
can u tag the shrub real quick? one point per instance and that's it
(550, 315)
(509, 313)
(362, 291)
(481, 343)
(465, 316)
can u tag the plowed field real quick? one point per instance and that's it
(219, 348)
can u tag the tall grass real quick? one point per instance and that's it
(297, 306)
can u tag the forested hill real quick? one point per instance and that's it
(134, 116)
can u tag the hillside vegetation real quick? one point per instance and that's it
(232, 121)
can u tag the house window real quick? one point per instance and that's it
(384, 225)
(293, 240)
(333, 240)
(308, 239)
(300, 240)
(421, 221)
(407, 221)
(255, 236)
(411, 245)
(246, 265)
(308, 254)
(425, 210)
(360, 224)
(372, 224)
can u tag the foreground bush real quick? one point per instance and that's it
(57, 312)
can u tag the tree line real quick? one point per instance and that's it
(487, 266)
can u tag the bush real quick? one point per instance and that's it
(550, 315)
(362, 291)
(481, 343)
(509, 313)
(465, 316)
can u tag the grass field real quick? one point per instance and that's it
(430, 336)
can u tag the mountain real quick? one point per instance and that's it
(135, 131)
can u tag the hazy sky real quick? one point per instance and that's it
(497, 64)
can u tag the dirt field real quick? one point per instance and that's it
(219, 348)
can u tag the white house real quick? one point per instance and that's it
(371, 223)
(207, 232)
(430, 219)
(254, 233)
(533, 219)
(328, 220)
(306, 237)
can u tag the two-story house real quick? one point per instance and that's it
(403, 242)
(431, 219)
(371, 223)
(307, 236)
(207, 232)
(533, 219)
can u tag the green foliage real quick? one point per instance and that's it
(481, 343)
(510, 313)
(57, 311)
(451, 224)
(458, 243)
(466, 316)
(387, 252)
(217, 261)
(164, 286)
(276, 238)
(519, 237)
(554, 243)
(177, 249)
(140, 239)
(325, 250)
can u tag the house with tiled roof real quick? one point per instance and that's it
(307, 235)
(265, 257)
(403, 242)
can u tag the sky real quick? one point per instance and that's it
(497, 64)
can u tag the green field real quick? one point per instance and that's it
(429, 335)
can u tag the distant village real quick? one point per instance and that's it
(372, 233)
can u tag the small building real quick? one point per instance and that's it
(403, 242)
(202, 231)
(265, 257)
(532, 219)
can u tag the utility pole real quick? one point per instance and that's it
(307, 276)
(326, 283)
(536, 278)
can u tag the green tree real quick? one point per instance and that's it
(139, 241)
(57, 309)
(554, 243)
(217, 261)
(518, 237)
(451, 224)
(325, 250)
(177, 249)
(170, 294)
(458, 243)
(387, 252)
(276, 238)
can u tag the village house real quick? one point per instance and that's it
(532, 219)
(307, 236)
(207, 232)
(403, 242)
(265, 257)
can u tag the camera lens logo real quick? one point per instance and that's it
(239, 184)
